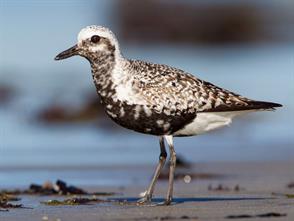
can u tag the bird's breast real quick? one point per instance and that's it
(145, 119)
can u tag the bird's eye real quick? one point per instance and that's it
(95, 39)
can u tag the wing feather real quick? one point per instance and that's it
(165, 87)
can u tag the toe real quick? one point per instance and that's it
(143, 201)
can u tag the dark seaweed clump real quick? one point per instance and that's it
(264, 215)
(5, 202)
(221, 187)
(59, 188)
(73, 201)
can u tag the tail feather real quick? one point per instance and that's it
(263, 105)
(251, 105)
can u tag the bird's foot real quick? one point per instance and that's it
(145, 200)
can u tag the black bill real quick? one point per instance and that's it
(67, 53)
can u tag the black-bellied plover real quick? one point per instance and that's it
(156, 99)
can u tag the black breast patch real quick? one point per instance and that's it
(145, 120)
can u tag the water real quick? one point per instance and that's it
(30, 151)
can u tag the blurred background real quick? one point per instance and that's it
(51, 123)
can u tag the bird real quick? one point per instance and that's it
(156, 99)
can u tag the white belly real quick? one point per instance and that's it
(205, 122)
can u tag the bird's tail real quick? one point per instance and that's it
(263, 105)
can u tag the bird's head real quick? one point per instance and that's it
(93, 42)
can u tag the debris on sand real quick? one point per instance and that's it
(264, 215)
(73, 201)
(8, 197)
(290, 185)
(5, 205)
(239, 216)
(221, 187)
(176, 218)
(63, 189)
(287, 195)
(166, 218)
(59, 188)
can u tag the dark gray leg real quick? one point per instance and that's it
(173, 158)
(162, 157)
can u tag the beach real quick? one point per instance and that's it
(234, 190)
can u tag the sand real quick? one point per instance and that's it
(201, 199)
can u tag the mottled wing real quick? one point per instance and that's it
(173, 90)
(165, 88)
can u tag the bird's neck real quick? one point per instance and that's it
(102, 71)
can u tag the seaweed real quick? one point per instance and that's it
(48, 188)
(288, 195)
(73, 201)
(221, 187)
(264, 215)
(290, 185)
(176, 218)
(4, 202)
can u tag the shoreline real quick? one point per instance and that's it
(262, 190)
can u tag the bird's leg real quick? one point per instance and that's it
(173, 158)
(162, 157)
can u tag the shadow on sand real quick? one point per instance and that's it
(190, 199)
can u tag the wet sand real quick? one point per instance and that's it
(252, 190)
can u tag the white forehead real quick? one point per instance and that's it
(89, 31)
